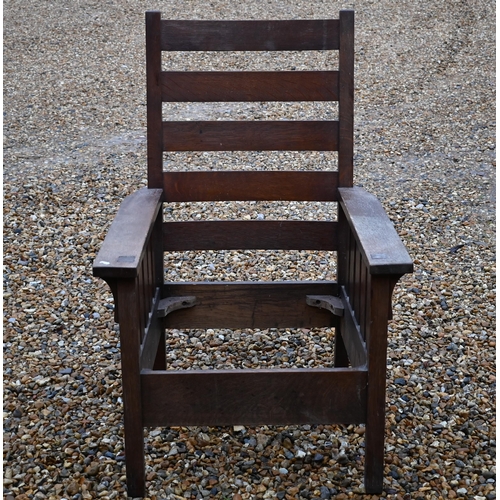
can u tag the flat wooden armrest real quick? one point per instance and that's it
(380, 245)
(124, 245)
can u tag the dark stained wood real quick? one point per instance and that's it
(371, 258)
(125, 244)
(250, 305)
(341, 359)
(253, 397)
(356, 292)
(157, 249)
(376, 341)
(351, 335)
(351, 265)
(382, 250)
(152, 337)
(141, 300)
(344, 233)
(131, 383)
(156, 242)
(241, 86)
(245, 235)
(250, 35)
(340, 353)
(346, 98)
(250, 136)
(160, 362)
(250, 186)
(154, 111)
(364, 291)
(149, 286)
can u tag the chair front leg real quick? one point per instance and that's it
(130, 339)
(379, 312)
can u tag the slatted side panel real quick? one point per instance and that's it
(250, 186)
(253, 397)
(249, 35)
(250, 136)
(243, 86)
(146, 288)
(247, 235)
(358, 284)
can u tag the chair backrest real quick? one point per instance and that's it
(234, 86)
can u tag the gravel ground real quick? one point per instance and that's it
(74, 125)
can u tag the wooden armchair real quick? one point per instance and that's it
(371, 257)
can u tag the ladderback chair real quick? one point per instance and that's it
(370, 255)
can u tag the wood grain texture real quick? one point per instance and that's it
(126, 241)
(341, 358)
(243, 86)
(152, 336)
(250, 35)
(381, 248)
(129, 319)
(153, 99)
(376, 342)
(371, 257)
(253, 397)
(250, 186)
(250, 135)
(351, 335)
(246, 235)
(346, 98)
(250, 305)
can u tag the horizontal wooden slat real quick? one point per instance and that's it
(250, 305)
(242, 86)
(250, 35)
(250, 135)
(351, 334)
(245, 235)
(250, 186)
(253, 397)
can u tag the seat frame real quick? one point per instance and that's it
(371, 257)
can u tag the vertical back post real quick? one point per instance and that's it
(345, 154)
(154, 112)
(346, 98)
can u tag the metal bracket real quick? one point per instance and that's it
(166, 306)
(328, 302)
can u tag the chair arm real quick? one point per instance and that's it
(125, 243)
(380, 245)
